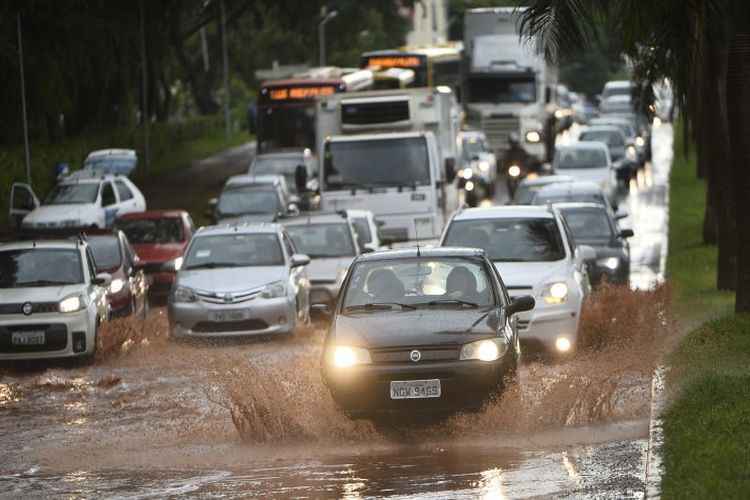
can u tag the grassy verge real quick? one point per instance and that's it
(707, 428)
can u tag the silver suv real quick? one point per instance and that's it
(245, 279)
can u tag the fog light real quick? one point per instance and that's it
(514, 171)
(468, 173)
(562, 344)
(79, 342)
(469, 186)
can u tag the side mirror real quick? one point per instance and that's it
(102, 279)
(450, 169)
(293, 209)
(585, 253)
(627, 233)
(212, 203)
(621, 214)
(366, 249)
(299, 260)
(172, 266)
(520, 304)
(321, 309)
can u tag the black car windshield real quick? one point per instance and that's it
(234, 250)
(106, 250)
(244, 200)
(377, 163)
(588, 223)
(285, 166)
(419, 282)
(611, 139)
(323, 240)
(500, 90)
(63, 194)
(571, 158)
(152, 231)
(40, 267)
(509, 239)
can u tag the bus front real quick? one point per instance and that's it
(387, 59)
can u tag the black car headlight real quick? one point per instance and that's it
(342, 356)
(484, 350)
(610, 263)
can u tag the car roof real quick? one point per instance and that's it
(584, 145)
(29, 244)
(285, 153)
(570, 188)
(579, 204)
(153, 214)
(90, 176)
(618, 83)
(316, 218)
(240, 228)
(602, 128)
(406, 253)
(250, 179)
(507, 211)
(547, 179)
(117, 152)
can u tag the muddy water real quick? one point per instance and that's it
(158, 419)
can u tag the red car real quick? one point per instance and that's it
(128, 291)
(158, 236)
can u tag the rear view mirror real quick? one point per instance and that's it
(520, 304)
(102, 279)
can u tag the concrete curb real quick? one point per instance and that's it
(654, 466)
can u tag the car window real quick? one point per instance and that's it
(129, 255)
(90, 263)
(290, 248)
(588, 223)
(323, 240)
(248, 200)
(234, 250)
(152, 231)
(509, 239)
(107, 253)
(124, 191)
(64, 194)
(574, 158)
(40, 267)
(108, 195)
(22, 199)
(418, 281)
(362, 227)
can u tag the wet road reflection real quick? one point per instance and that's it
(147, 424)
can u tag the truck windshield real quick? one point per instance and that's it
(501, 89)
(377, 163)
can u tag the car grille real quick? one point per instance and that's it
(56, 338)
(498, 128)
(247, 325)
(153, 267)
(228, 298)
(36, 307)
(401, 355)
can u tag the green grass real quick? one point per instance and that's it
(707, 428)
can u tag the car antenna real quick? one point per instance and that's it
(416, 234)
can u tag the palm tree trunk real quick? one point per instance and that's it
(738, 104)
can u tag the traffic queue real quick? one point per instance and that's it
(380, 223)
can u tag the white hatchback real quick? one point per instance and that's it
(587, 161)
(535, 255)
(52, 302)
(81, 200)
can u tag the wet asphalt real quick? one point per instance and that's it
(152, 420)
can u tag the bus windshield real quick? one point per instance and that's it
(286, 126)
(376, 163)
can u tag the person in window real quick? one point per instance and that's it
(384, 286)
(462, 285)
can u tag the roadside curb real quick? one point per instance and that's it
(654, 465)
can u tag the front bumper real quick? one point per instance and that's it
(365, 390)
(255, 317)
(543, 326)
(60, 330)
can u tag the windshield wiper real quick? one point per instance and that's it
(213, 265)
(441, 302)
(42, 283)
(378, 306)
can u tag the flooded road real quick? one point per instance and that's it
(154, 418)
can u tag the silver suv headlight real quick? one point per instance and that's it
(274, 290)
(184, 294)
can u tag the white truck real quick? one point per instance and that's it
(392, 152)
(509, 88)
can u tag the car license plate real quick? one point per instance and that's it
(415, 389)
(33, 337)
(229, 316)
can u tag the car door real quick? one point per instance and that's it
(98, 293)
(136, 277)
(109, 203)
(127, 200)
(22, 202)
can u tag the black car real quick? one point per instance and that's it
(421, 331)
(594, 225)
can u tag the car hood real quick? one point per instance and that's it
(597, 175)
(531, 274)
(159, 252)
(38, 294)
(56, 213)
(269, 217)
(230, 279)
(327, 268)
(423, 327)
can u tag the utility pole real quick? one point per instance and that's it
(23, 104)
(226, 67)
(145, 115)
(326, 16)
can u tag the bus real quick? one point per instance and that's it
(286, 108)
(432, 66)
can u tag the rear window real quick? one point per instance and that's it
(574, 158)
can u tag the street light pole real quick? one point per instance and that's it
(23, 104)
(145, 114)
(322, 35)
(226, 67)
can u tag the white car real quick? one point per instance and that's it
(367, 229)
(535, 255)
(52, 302)
(111, 161)
(587, 161)
(81, 200)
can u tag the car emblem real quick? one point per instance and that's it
(27, 308)
(228, 297)
(415, 355)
